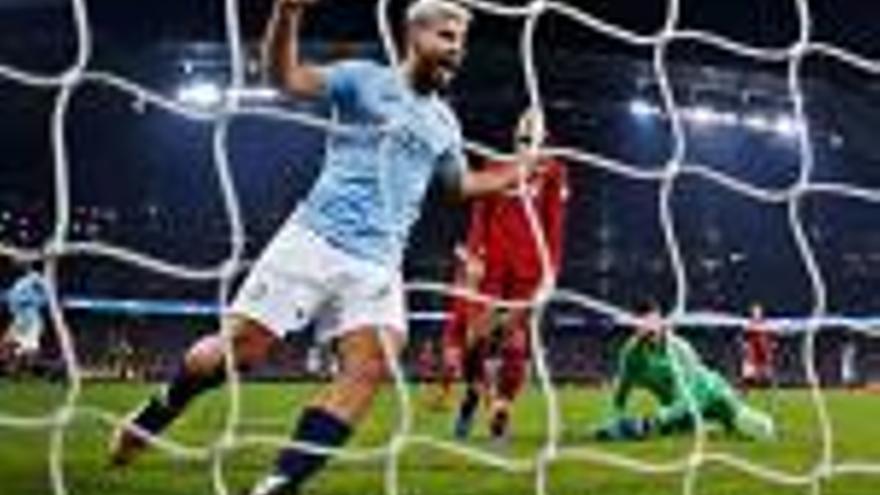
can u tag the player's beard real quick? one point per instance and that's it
(441, 70)
(428, 76)
(440, 77)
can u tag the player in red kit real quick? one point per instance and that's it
(426, 369)
(461, 314)
(757, 364)
(500, 228)
(426, 362)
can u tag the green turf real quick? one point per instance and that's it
(268, 409)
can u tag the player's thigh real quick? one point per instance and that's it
(367, 353)
(523, 287)
(365, 295)
(280, 294)
(455, 325)
(251, 340)
(246, 339)
(724, 402)
(722, 410)
(493, 283)
(289, 284)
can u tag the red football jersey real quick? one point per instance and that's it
(501, 230)
(758, 344)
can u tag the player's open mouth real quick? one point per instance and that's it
(449, 64)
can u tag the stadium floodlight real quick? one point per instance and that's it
(200, 93)
(641, 108)
(254, 93)
(706, 115)
(758, 123)
(701, 115)
(728, 118)
(787, 125)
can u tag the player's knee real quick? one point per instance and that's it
(366, 359)
(369, 368)
(375, 371)
(249, 345)
(452, 359)
(205, 355)
(365, 376)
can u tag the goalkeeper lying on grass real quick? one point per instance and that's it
(650, 360)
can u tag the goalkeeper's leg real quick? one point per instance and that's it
(738, 416)
(754, 424)
(202, 369)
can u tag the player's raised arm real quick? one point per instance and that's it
(530, 127)
(475, 183)
(281, 51)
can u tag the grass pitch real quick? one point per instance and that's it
(268, 410)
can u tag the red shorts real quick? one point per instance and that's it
(758, 356)
(753, 368)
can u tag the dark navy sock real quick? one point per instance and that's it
(185, 386)
(164, 407)
(473, 362)
(466, 412)
(316, 427)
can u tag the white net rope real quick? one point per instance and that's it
(60, 245)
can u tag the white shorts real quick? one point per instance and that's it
(25, 331)
(301, 278)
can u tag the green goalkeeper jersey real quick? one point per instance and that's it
(652, 365)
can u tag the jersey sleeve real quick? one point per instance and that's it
(687, 357)
(624, 381)
(687, 362)
(453, 162)
(344, 82)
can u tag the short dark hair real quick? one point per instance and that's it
(646, 305)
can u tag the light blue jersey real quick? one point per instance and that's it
(370, 191)
(27, 294)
